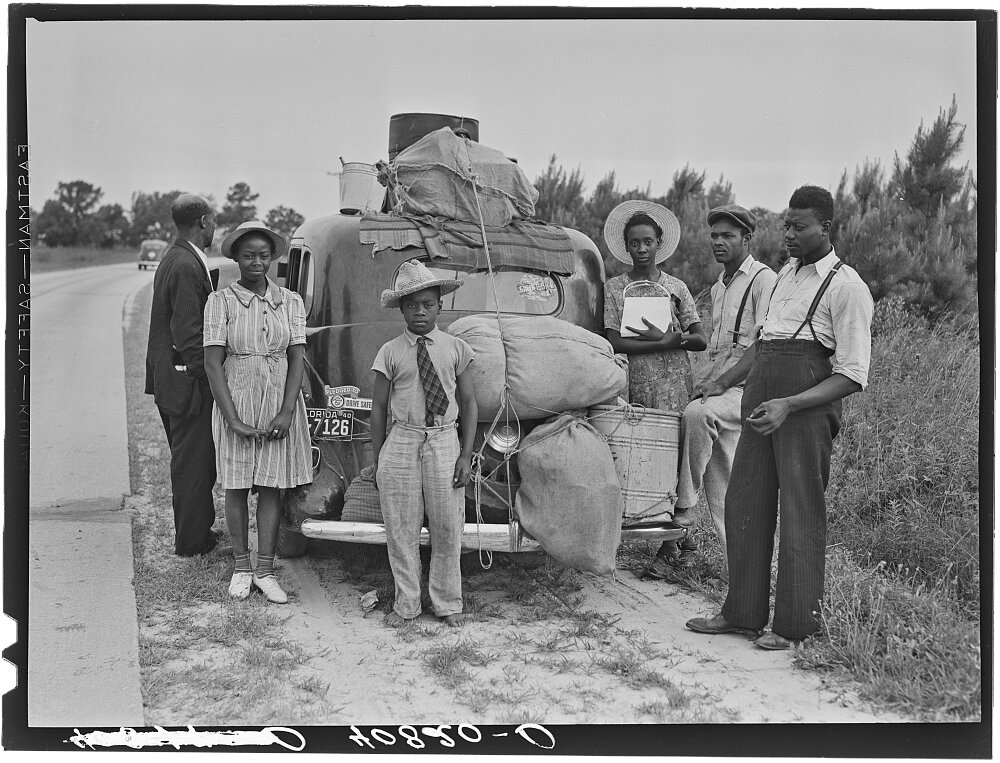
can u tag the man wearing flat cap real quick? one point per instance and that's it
(814, 350)
(711, 424)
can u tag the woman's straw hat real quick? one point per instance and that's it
(254, 226)
(614, 228)
(413, 276)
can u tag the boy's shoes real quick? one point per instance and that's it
(270, 588)
(239, 586)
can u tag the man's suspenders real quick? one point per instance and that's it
(815, 303)
(743, 304)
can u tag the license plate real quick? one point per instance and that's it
(328, 424)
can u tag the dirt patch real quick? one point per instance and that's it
(545, 645)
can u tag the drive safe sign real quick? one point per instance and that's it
(336, 421)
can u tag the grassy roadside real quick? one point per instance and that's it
(901, 615)
(45, 259)
(204, 658)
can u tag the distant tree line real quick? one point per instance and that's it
(75, 217)
(911, 233)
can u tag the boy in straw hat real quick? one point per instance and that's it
(420, 468)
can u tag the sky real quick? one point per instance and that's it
(200, 105)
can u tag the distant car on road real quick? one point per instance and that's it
(150, 253)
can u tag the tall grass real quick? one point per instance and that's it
(901, 607)
(904, 487)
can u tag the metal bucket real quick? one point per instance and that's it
(360, 190)
(645, 443)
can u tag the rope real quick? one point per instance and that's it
(633, 414)
(477, 472)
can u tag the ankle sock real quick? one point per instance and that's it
(265, 566)
(242, 562)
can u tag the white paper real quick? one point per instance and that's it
(657, 310)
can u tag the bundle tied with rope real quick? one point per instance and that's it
(444, 175)
(584, 531)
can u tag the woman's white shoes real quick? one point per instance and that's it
(270, 588)
(239, 586)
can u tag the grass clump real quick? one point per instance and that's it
(909, 643)
(449, 662)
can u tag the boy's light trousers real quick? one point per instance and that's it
(416, 470)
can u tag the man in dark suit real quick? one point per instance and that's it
(175, 372)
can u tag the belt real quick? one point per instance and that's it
(416, 428)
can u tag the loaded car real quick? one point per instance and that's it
(150, 252)
(339, 264)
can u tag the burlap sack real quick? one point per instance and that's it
(323, 498)
(569, 499)
(361, 502)
(551, 365)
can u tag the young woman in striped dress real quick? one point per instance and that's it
(254, 347)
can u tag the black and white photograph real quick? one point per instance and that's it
(569, 380)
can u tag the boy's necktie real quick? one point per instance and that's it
(435, 401)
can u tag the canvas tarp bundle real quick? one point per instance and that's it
(520, 244)
(569, 499)
(550, 364)
(435, 176)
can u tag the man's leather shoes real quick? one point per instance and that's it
(213, 540)
(717, 624)
(662, 567)
(774, 642)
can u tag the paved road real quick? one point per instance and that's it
(83, 658)
(79, 445)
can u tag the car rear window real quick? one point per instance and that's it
(301, 275)
(529, 292)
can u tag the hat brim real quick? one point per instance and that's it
(614, 229)
(280, 245)
(390, 298)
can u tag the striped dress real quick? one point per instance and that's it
(256, 331)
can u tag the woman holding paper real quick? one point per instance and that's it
(651, 317)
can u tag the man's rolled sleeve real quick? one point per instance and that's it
(851, 307)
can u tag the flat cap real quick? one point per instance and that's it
(737, 214)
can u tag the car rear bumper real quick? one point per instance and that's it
(507, 538)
